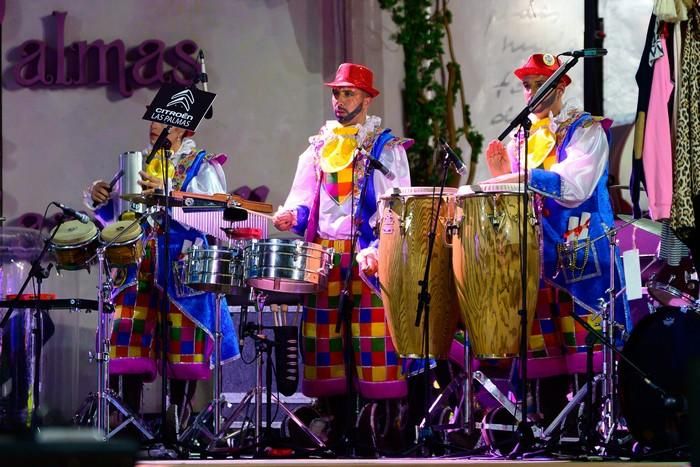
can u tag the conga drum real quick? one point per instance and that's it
(405, 221)
(486, 265)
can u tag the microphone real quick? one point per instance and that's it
(204, 78)
(161, 143)
(81, 216)
(456, 160)
(585, 53)
(374, 162)
(674, 403)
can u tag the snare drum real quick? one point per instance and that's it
(127, 247)
(287, 265)
(406, 217)
(486, 266)
(675, 285)
(74, 244)
(214, 269)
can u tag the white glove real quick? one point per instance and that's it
(368, 260)
(284, 219)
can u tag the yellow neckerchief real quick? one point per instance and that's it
(339, 149)
(541, 145)
(155, 167)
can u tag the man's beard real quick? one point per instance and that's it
(547, 102)
(349, 116)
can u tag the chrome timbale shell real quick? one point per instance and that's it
(287, 265)
(214, 269)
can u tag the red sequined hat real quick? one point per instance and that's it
(352, 75)
(541, 64)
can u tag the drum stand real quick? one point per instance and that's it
(220, 428)
(213, 409)
(97, 404)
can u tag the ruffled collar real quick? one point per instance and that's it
(188, 145)
(363, 129)
(569, 109)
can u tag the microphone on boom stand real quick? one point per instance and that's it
(204, 79)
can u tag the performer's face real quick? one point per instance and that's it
(174, 136)
(550, 103)
(350, 105)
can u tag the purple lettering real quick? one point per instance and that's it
(31, 69)
(84, 64)
(148, 69)
(183, 52)
(118, 57)
(61, 78)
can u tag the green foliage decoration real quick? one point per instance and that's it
(432, 88)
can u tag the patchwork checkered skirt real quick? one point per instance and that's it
(378, 367)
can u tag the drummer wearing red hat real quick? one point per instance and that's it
(323, 206)
(567, 161)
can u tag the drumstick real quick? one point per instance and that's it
(115, 179)
(261, 214)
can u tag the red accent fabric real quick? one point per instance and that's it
(354, 76)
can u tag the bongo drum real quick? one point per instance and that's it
(127, 247)
(74, 244)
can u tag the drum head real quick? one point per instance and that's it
(131, 231)
(74, 233)
(417, 191)
(662, 345)
(466, 190)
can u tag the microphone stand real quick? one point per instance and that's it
(163, 143)
(423, 309)
(346, 303)
(525, 435)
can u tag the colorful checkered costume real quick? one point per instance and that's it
(379, 368)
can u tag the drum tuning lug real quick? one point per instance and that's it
(496, 219)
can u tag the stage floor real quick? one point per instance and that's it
(432, 462)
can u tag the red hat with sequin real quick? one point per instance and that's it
(352, 75)
(543, 65)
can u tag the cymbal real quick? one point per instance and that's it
(647, 225)
(152, 199)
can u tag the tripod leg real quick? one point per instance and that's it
(299, 423)
(232, 417)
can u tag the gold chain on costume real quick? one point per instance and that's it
(569, 249)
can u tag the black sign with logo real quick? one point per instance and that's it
(179, 106)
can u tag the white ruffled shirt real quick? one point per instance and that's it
(586, 159)
(335, 219)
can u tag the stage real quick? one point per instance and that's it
(432, 462)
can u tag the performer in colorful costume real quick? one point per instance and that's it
(134, 344)
(568, 166)
(323, 206)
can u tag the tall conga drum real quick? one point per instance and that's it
(486, 264)
(405, 220)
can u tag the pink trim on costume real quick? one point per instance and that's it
(189, 371)
(323, 388)
(220, 158)
(133, 366)
(544, 367)
(576, 363)
(383, 390)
